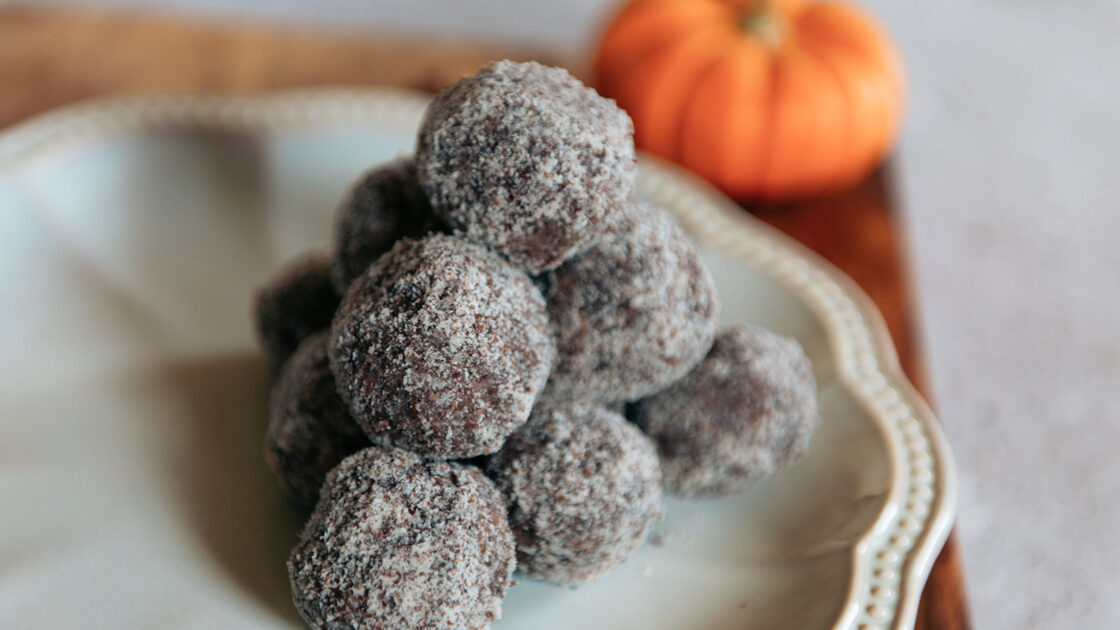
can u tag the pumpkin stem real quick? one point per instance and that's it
(761, 22)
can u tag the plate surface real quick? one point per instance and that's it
(132, 396)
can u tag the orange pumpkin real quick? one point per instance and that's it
(766, 99)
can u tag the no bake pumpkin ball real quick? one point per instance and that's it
(441, 347)
(745, 412)
(527, 160)
(310, 429)
(397, 541)
(382, 207)
(632, 314)
(298, 300)
(583, 490)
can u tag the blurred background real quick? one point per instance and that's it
(1006, 181)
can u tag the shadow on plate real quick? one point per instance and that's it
(232, 501)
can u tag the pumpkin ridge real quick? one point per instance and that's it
(769, 135)
(686, 104)
(884, 81)
(651, 78)
(731, 172)
(621, 73)
(837, 170)
(703, 147)
(823, 21)
(669, 21)
(871, 106)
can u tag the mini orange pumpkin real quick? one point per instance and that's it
(766, 99)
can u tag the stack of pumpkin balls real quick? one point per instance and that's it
(453, 376)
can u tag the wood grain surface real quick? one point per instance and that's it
(55, 57)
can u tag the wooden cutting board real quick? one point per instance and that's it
(55, 57)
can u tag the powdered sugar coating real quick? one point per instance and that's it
(632, 314)
(745, 412)
(298, 300)
(310, 429)
(527, 160)
(385, 205)
(441, 346)
(401, 542)
(583, 489)
(550, 396)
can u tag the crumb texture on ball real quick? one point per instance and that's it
(385, 205)
(632, 314)
(298, 300)
(310, 429)
(442, 347)
(527, 160)
(583, 489)
(402, 542)
(745, 412)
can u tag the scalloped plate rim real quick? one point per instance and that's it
(901, 544)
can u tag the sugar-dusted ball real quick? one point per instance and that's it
(583, 490)
(310, 429)
(745, 412)
(397, 541)
(527, 160)
(632, 314)
(385, 205)
(298, 300)
(441, 347)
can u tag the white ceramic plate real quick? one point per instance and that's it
(132, 397)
